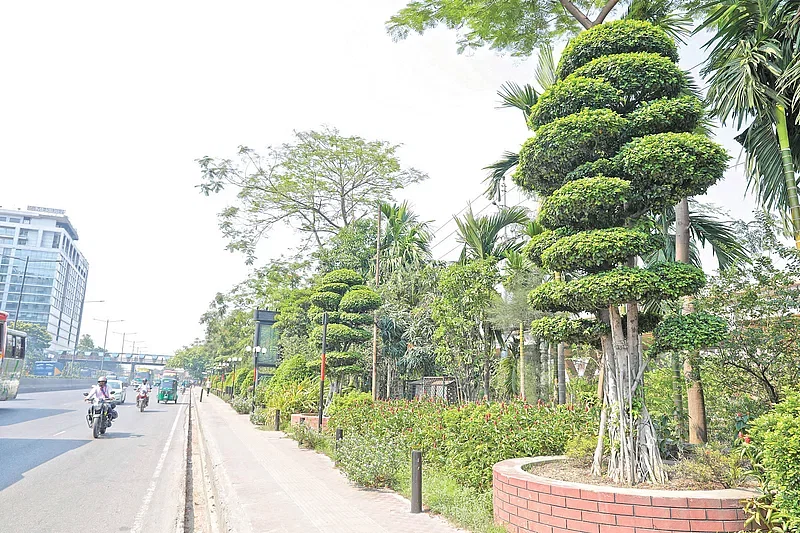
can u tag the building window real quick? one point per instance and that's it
(26, 220)
(15, 220)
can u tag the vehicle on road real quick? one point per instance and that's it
(117, 388)
(142, 399)
(136, 383)
(12, 358)
(99, 415)
(168, 391)
(48, 368)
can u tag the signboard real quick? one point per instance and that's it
(266, 338)
(46, 210)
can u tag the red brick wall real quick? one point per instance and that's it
(309, 419)
(525, 503)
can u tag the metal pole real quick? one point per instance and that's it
(123, 342)
(233, 387)
(255, 378)
(21, 289)
(338, 436)
(322, 368)
(277, 419)
(375, 321)
(416, 481)
(105, 341)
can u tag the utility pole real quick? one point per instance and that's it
(375, 318)
(105, 340)
(21, 290)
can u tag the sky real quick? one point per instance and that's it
(107, 105)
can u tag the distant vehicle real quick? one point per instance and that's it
(117, 389)
(12, 358)
(136, 382)
(48, 368)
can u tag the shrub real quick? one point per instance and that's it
(563, 329)
(586, 203)
(343, 402)
(263, 416)
(669, 166)
(245, 384)
(616, 37)
(338, 288)
(242, 405)
(777, 435)
(355, 319)
(601, 167)
(327, 301)
(640, 76)
(315, 315)
(675, 115)
(562, 145)
(709, 465)
(360, 301)
(597, 249)
(290, 397)
(370, 460)
(572, 95)
(689, 332)
(340, 335)
(541, 242)
(343, 275)
(312, 438)
(581, 447)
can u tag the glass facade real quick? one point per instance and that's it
(51, 292)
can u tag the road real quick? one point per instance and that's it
(55, 478)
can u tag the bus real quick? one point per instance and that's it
(12, 358)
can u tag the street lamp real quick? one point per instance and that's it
(24, 277)
(105, 339)
(124, 333)
(78, 332)
(255, 351)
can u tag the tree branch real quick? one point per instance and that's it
(577, 14)
(611, 4)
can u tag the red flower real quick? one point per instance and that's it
(747, 439)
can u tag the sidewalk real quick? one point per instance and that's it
(266, 483)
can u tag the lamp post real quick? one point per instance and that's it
(234, 360)
(105, 339)
(78, 331)
(255, 351)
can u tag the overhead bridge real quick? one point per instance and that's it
(99, 359)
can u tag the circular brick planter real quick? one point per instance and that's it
(525, 503)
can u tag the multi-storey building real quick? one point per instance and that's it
(54, 285)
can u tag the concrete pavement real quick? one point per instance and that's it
(266, 483)
(55, 478)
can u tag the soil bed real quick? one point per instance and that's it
(577, 471)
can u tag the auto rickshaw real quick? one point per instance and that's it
(168, 390)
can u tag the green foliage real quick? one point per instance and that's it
(315, 314)
(581, 447)
(338, 288)
(311, 438)
(572, 95)
(360, 301)
(639, 76)
(588, 203)
(718, 467)
(351, 400)
(666, 167)
(564, 144)
(340, 335)
(601, 167)
(611, 38)
(667, 115)
(346, 276)
(369, 460)
(242, 405)
(662, 281)
(355, 319)
(327, 301)
(560, 328)
(535, 247)
(466, 441)
(38, 339)
(292, 370)
(597, 249)
(289, 397)
(777, 435)
(352, 248)
(693, 331)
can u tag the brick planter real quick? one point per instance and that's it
(309, 419)
(525, 503)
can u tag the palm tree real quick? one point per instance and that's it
(752, 70)
(406, 241)
(481, 235)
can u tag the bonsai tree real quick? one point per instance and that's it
(349, 304)
(613, 143)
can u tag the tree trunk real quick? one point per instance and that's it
(562, 376)
(535, 383)
(696, 402)
(552, 390)
(487, 335)
(677, 395)
(788, 171)
(522, 362)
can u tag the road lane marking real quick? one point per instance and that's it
(148, 496)
(60, 433)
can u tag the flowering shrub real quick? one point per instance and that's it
(466, 441)
(370, 460)
(242, 405)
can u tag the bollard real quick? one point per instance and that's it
(416, 481)
(338, 437)
(277, 420)
(201, 394)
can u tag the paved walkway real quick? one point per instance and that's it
(266, 483)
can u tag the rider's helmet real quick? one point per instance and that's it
(145, 381)
(101, 380)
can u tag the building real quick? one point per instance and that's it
(55, 281)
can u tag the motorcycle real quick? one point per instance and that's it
(99, 415)
(142, 399)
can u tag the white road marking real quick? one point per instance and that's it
(148, 496)
(60, 433)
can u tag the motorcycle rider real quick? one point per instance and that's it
(100, 391)
(146, 387)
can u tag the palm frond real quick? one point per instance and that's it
(480, 235)
(498, 171)
(719, 234)
(666, 15)
(545, 73)
(522, 97)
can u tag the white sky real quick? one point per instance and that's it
(106, 105)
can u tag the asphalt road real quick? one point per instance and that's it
(54, 477)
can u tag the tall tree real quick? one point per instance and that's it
(37, 342)
(317, 184)
(482, 235)
(618, 109)
(749, 71)
(406, 240)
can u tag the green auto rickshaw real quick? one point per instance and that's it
(168, 390)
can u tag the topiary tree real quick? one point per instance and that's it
(613, 143)
(349, 304)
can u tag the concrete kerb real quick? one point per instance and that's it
(180, 524)
(230, 516)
